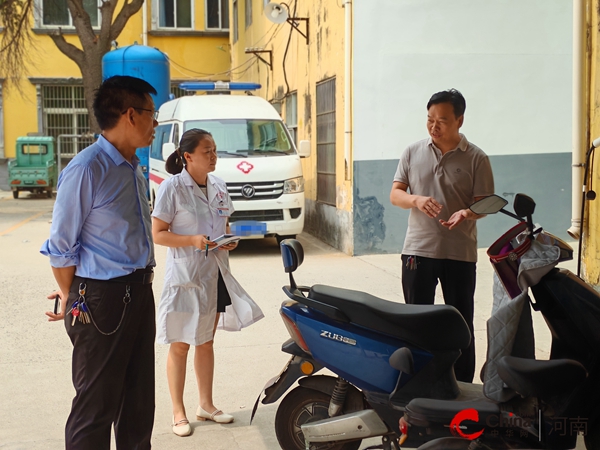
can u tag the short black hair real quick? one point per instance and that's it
(452, 96)
(115, 95)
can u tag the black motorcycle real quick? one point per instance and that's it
(544, 404)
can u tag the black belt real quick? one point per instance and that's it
(143, 276)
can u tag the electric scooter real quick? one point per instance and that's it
(549, 401)
(382, 354)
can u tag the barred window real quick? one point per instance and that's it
(65, 113)
(291, 115)
(248, 13)
(326, 180)
(178, 92)
(235, 21)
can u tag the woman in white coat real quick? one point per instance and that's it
(199, 294)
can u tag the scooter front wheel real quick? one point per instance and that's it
(300, 406)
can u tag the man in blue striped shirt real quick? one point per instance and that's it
(102, 257)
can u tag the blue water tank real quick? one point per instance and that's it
(147, 63)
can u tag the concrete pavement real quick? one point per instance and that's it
(35, 364)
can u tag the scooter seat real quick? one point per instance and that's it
(430, 327)
(535, 378)
(426, 412)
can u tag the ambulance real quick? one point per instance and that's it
(257, 156)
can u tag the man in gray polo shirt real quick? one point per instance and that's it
(444, 175)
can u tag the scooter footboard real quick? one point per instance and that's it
(353, 426)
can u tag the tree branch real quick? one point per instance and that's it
(82, 22)
(128, 10)
(16, 39)
(67, 49)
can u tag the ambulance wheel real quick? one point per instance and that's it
(300, 406)
(15, 194)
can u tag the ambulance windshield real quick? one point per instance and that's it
(245, 138)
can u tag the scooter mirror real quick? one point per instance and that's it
(523, 205)
(488, 205)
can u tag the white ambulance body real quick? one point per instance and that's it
(257, 156)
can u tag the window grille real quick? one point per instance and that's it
(248, 13)
(235, 21)
(277, 106)
(326, 180)
(291, 115)
(65, 112)
(178, 92)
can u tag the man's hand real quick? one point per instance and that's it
(456, 218)
(60, 315)
(428, 205)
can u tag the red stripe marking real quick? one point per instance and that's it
(156, 178)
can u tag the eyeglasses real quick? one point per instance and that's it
(154, 113)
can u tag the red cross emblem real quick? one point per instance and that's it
(245, 167)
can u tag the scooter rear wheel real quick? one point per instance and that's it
(300, 406)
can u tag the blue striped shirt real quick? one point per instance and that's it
(101, 220)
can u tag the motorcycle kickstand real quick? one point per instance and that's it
(387, 443)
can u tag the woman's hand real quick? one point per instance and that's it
(229, 246)
(200, 241)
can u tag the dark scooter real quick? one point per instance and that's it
(554, 399)
(382, 354)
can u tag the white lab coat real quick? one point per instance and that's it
(188, 305)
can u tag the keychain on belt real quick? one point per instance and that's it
(80, 309)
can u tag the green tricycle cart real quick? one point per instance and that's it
(34, 168)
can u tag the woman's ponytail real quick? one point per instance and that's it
(174, 163)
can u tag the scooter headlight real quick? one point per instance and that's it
(293, 185)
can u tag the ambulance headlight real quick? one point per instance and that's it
(293, 185)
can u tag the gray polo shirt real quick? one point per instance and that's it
(454, 180)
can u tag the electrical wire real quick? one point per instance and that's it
(264, 35)
(211, 74)
(287, 46)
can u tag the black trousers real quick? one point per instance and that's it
(419, 280)
(113, 375)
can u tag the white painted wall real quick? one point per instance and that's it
(511, 59)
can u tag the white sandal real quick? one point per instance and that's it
(217, 416)
(182, 428)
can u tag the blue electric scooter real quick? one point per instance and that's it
(383, 355)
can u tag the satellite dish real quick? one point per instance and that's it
(276, 13)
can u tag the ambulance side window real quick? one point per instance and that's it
(176, 135)
(161, 136)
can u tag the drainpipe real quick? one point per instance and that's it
(145, 23)
(348, 88)
(579, 113)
